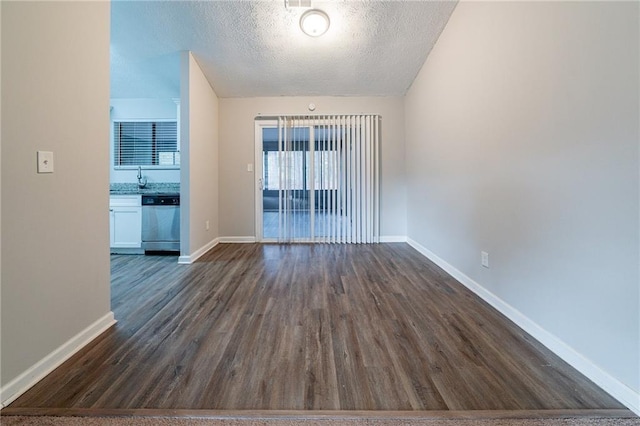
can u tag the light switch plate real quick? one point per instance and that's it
(45, 162)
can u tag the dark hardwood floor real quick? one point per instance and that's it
(307, 327)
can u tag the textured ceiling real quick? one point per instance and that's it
(256, 48)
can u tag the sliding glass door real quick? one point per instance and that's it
(317, 180)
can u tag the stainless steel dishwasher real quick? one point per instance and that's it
(161, 222)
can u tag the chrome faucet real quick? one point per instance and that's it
(141, 182)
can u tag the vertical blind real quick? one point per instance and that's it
(328, 178)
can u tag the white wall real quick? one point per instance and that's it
(199, 158)
(237, 146)
(522, 140)
(142, 109)
(55, 227)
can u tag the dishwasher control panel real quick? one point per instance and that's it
(161, 200)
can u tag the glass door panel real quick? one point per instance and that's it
(285, 184)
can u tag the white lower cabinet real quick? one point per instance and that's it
(125, 220)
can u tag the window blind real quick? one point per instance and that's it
(145, 143)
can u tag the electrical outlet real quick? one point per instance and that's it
(206, 225)
(484, 259)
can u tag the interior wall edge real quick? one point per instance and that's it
(188, 259)
(185, 163)
(203, 105)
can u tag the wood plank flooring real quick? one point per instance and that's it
(307, 327)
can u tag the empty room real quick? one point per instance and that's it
(321, 212)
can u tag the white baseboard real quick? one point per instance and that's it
(393, 239)
(46, 365)
(608, 383)
(237, 239)
(186, 260)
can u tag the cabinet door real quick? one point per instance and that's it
(126, 227)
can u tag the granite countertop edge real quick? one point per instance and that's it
(143, 192)
(151, 189)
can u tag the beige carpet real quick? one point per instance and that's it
(256, 421)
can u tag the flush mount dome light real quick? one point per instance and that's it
(314, 22)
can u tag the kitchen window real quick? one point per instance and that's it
(146, 143)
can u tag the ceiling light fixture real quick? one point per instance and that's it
(314, 22)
